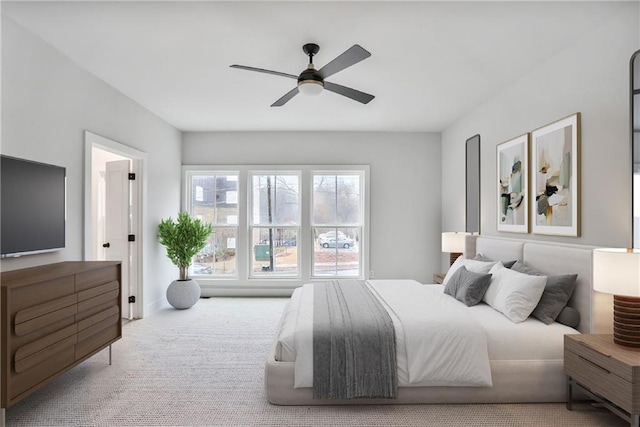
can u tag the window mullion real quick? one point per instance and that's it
(242, 229)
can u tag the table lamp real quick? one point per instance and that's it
(453, 242)
(617, 271)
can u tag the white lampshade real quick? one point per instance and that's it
(453, 241)
(310, 87)
(617, 271)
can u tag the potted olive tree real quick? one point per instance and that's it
(183, 239)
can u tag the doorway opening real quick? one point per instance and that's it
(113, 213)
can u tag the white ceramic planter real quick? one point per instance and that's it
(183, 294)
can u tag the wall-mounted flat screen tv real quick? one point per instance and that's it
(32, 207)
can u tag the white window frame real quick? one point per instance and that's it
(242, 283)
(251, 226)
(188, 199)
(360, 225)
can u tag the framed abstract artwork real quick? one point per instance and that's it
(513, 185)
(555, 178)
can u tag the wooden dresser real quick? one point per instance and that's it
(54, 317)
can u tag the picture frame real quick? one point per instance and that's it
(512, 160)
(555, 172)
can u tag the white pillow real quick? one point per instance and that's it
(514, 294)
(470, 264)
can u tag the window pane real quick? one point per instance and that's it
(348, 199)
(336, 252)
(219, 255)
(215, 200)
(226, 200)
(211, 200)
(275, 252)
(276, 199)
(324, 199)
(336, 199)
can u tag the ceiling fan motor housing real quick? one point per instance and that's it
(310, 75)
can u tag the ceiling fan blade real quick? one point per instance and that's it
(351, 56)
(262, 70)
(280, 102)
(356, 95)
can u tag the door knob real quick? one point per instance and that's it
(106, 245)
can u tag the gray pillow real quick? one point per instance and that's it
(569, 316)
(481, 257)
(451, 287)
(556, 293)
(467, 286)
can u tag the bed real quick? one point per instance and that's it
(525, 359)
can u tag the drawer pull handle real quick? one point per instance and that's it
(593, 348)
(595, 365)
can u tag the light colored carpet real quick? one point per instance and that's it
(205, 366)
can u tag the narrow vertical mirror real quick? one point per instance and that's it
(472, 217)
(635, 145)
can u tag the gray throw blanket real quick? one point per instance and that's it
(354, 343)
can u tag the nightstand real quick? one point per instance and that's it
(609, 373)
(438, 278)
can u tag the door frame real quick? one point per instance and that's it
(138, 166)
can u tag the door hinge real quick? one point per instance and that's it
(132, 299)
(132, 237)
(132, 176)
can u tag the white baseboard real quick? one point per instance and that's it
(245, 292)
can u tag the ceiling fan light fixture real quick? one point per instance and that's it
(310, 87)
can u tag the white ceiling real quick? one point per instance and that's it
(432, 62)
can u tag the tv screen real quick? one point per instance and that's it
(32, 207)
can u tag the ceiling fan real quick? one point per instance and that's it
(312, 81)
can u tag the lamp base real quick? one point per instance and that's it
(453, 256)
(626, 321)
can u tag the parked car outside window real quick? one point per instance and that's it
(329, 240)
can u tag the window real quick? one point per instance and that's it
(211, 203)
(336, 224)
(279, 226)
(275, 224)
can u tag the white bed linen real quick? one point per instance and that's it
(451, 352)
(528, 340)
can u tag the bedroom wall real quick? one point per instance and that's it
(405, 183)
(590, 77)
(47, 103)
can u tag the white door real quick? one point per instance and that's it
(116, 229)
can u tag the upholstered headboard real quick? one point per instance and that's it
(596, 309)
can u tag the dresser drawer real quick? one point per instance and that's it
(598, 379)
(59, 358)
(97, 277)
(96, 338)
(23, 297)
